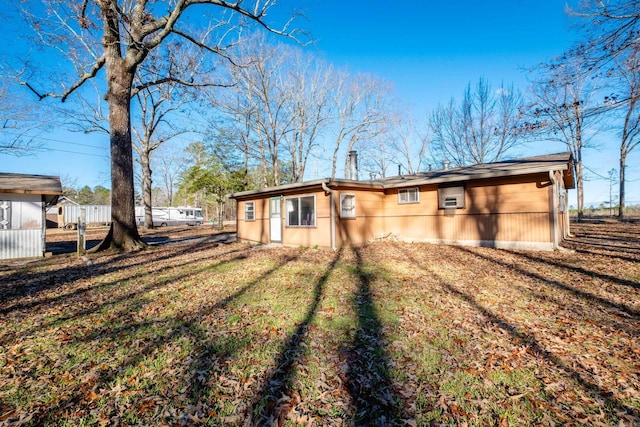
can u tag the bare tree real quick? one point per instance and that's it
(157, 104)
(610, 50)
(611, 28)
(277, 110)
(310, 93)
(482, 128)
(626, 103)
(362, 112)
(238, 123)
(262, 82)
(17, 125)
(410, 146)
(169, 163)
(377, 157)
(117, 37)
(233, 138)
(563, 111)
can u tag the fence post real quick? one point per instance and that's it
(82, 231)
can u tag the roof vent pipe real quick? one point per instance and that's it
(353, 165)
(446, 164)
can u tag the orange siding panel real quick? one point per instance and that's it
(258, 229)
(318, 235)
(367, 223)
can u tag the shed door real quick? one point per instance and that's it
(275, 215)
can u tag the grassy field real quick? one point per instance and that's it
(201, 331)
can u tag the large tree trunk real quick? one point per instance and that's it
(145, 166)
(621, 195)
(123, 234)
(580, 188)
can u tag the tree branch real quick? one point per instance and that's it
(136, 89)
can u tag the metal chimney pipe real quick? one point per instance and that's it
(353, 165)
(446, 164)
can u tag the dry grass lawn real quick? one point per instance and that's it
(201, 331)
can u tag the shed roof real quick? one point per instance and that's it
(523, 166)
(48, 186)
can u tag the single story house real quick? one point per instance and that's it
(24, 200)
(519, 204)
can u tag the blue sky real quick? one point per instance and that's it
(428, 50)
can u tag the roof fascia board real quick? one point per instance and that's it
(470, 176)
(449, 176)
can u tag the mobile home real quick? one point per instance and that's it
(168, 216)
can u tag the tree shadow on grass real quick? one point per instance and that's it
(521, 337)
(271, 403)
(21, 284)
(580, 270)
(611, 243)
(166, 331)
(368, 381)
(85, 293)
(621, 309)
(29, 284)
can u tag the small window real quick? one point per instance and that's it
(5, 214)
(301, 211)
(451, 197)
(410, 195)
(249, 211)
(347, 205)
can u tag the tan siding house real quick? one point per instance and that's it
(512, 204)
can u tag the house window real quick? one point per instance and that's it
(347, 205)
(451, 197)
(301, 211)
(409, 195)
(249, 211)
(5, 214)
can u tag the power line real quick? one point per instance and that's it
(58, 150)
(77, 152)
(596, 173)
(53, 140)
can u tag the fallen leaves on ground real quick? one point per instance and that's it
(201, 331)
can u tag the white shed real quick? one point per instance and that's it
(23, 203)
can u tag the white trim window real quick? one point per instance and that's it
(301, 211)
(347, 205)
(409, 195)
(249, 211)
(5, 214)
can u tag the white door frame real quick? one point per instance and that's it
(275, 219)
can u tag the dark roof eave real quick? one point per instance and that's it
(447, 178)
(30, 184)
(294, 187)
(278, 189)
